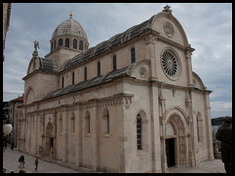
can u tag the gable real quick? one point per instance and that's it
(169, 27)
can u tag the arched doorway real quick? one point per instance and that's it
(49, 140)
(170, 143)
(175, 141)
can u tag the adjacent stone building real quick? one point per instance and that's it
(6, 21)
(14, 114)
(129, 104)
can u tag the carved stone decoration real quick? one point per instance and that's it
(150, 39)
(169, 29)
(127, 102)
(143, 72)
(176, 121)
(36, 46)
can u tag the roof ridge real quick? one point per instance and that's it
(125, 71)
(112, 42)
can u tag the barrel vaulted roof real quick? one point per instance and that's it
(107, 45)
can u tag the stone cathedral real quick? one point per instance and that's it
(129, 104)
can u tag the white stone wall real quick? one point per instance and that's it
(147, 91)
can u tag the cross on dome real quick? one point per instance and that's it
(71, 14)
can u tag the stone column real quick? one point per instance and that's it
(96, 136)
(150, 54)
(191, 123)
(208, 124)
(162, 110)
(189, 65)
(81, 123)
(36, 133)
(55, 135)
(155, 128)
(122, 150)
(65, 132)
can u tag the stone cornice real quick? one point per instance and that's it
(115, 100)
(35, 72)
(172, 43)
(118, 99)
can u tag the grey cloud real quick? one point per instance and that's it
(208, 28)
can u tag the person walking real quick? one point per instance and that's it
(12, 145)
(36, 164)
(21, 161)
(224, 134)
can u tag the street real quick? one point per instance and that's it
(10, 162)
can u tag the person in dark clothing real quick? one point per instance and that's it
(12, 146)
(36, 164)
(21, 161)
(224, 134)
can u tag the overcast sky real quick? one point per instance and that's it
(208, 28)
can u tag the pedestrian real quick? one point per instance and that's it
(36, 164)
(5, 144)
(224, 134)
(12, 145)
(21, 161)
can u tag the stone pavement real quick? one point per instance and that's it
(214, 166)
(10, 162)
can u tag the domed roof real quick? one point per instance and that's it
(70, 27)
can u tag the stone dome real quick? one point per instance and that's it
(70, 27)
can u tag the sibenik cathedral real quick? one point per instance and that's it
(130, 104)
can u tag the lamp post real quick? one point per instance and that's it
(7, 129)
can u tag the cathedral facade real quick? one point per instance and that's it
(129, 104)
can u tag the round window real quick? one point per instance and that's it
(170, 64)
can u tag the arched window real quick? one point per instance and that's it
(67, 42)
(51, 46)
(54, 45)
(106, 123)
(60, 42)
(98, 69)
(60, 124)
(80, 45)
(133, 59)
(114, 62)
(72, 124)
(72, 77)
(62, 82)
(139, 132)
(75, 44)
(85, 73)
(88, 123)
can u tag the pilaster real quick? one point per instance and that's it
(188, 101)
(155, 128)
(65, 127)
(150, 54)
(208, 124)
(189, 65)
